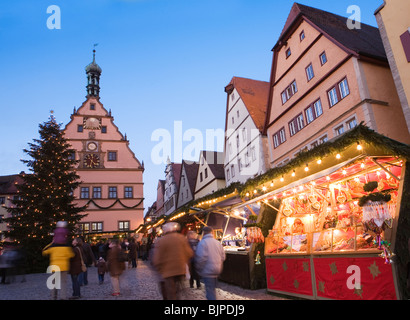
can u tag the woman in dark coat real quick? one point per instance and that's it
(132, 252)
(76, 268)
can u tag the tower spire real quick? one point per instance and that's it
(93, 72)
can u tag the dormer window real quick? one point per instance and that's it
(288, 53)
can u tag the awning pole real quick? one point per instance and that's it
(385, 169)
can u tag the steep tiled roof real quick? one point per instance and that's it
(364, 41)
(254, 94)
(191, 170)
(8, 184)
(176, 168)
(215, 162)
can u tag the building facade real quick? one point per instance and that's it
(8, 193)
(111, 176)
(246, 147)
(325, 80)
(394, 25)
(211, 175)
(186, 192)
(171, 187)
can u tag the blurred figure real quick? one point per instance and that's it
(7, 264)
(194, 276)
(89, 260)
(61, 233)
(209, 259)
(132, 252)
(115, 266)
(170, 257)
(60, 255)
(144, 247)
(76, 267)
(101, 270)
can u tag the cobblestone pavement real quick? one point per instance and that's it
(136, 284)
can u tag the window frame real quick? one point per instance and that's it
(323, 54)
(280, 135)
(289, 91)
(338, 91)
(310, 73)
(96, 192)
(313, 108)
(84, 192)
(296, 124)
(111, 192)
(128, 194)
(109, 155)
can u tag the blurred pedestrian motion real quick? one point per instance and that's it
(171, 255)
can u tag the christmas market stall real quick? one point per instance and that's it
(238, 226)
(337, 233)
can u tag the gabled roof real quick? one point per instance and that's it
(8, 184)
(176, 169)
(364, 41)
(191, 170)
(215, 162)
(254, 94)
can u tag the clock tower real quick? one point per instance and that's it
(111, 176)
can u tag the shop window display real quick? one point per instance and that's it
(326, 216)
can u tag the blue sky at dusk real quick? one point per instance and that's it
(162, 61)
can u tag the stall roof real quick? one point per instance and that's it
(372, 143)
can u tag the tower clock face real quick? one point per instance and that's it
(91, 161)
(92, 146)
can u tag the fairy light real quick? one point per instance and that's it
(307, 167)
(359, 146)
(319, 161)
(293, 173)
(338, 156)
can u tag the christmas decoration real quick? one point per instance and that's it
(253, 231)
(258, 258)
(46, 196)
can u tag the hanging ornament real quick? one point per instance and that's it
(377, 216)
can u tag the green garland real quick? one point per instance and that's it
(113, 204)
(359, 133)
(375, 197)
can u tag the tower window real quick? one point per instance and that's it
(112, 155)
(92, 106)
(104, 129)
(80, 128)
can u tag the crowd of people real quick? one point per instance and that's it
(172, 256)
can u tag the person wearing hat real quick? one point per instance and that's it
(209, 258)
(171, 255)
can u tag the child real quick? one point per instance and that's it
(61, 233)
(102, 269)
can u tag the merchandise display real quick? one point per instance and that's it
(347, 211)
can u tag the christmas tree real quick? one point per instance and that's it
(46, 196)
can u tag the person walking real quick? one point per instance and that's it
(171, 255)
(89, 260)
(116, 266)
(132, 252)
(60, 255)
(209, 259)
(76, 267)
(194, 276)
(101, 269)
